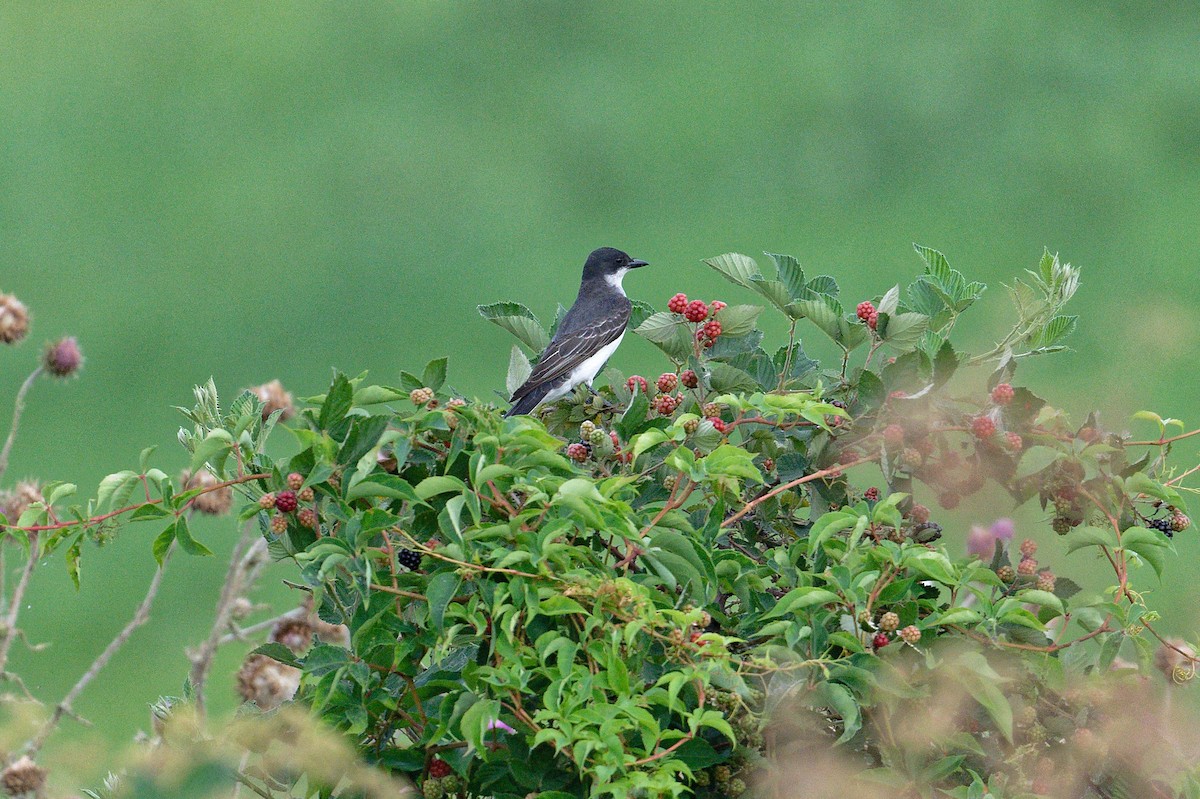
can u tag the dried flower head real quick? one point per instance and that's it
(14, 319)
(275, 397)
(62, 358)
(294, 633)
(13, 503)
(214, 501)
(334, 634)
(266, 682)
(23, 777)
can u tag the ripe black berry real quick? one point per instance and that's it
(1163, 526)
(409, 559)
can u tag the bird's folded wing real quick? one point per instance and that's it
(569, 350)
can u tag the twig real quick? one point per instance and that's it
(18, 409)
(242, 633)
(1162, 441)
(140, 617)
(244, 565)
(792, 484)
(14, 608)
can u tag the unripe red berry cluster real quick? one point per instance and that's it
(718, 423)
(689, 379)
(1002, 394)
(666, 404)
(866, 312)
(983, 427)
(668, 382)
(577, 452)
(696, 311)
(637, 382)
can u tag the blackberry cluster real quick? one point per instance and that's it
(409, 559)
(1163, 526)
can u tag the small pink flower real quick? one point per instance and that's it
(497, 724)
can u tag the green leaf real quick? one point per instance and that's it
(115, 490)
(217, 443)
(518, 320)
(432, 486)
(735, 267)
(791, 274)
(733, 461)
(163, 542)
(801, 598)
(434, 375)
(738, 320)
(148, 512)
(1035, 460)
(1089, 536)
(440, 591)
(278, 652)
(669, 333)
(1044, 599)
(519, 370)
(338, 402)
(729, 379)
(559, 605)
(903, 330)
(184, 536)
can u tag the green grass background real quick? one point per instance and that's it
(252, 191)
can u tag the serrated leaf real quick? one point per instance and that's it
(1035, 460)
(738, 320)
(790, 273)
(440, 591)
(735, 267)
(163, 543)
(338, 402)
(801, 599)
(434, 375)
(903, 330)
(669, 333)
(729, 379)
(518, 320)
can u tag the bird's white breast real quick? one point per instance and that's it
(614, 280)
(586, 372)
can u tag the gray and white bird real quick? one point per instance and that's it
(587, 336)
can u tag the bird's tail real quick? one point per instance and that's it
(529, 400)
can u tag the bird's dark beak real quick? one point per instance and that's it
(636, 262)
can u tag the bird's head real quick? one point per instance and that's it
(609, 264)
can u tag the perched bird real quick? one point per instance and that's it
(588, 335)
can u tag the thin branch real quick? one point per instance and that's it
(140, 617)
(1161, 441)
(18, 409)
(245, 563)
(14, 607)
(792, 484)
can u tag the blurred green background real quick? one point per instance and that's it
(252, 191)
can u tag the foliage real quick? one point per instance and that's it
(662, 606)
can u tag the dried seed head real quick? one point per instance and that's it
(62, 358)
(241, 608)
(14, 319)
(15, 502)
(214, 501)
(266, 682)
(294, 633)
(23, 777)
(335, 634)
(275, 397)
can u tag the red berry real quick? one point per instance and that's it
(577, 452)
(1002, 394)
(295, 480)
(667, 382)
(919, 514)
(718, 423)
(1027, 567)
(637, 382)
(615, 440)
(893, 435)
(880, 640)
(1028, 548)
(666, 404)
(678, 303)
(715, 306)
(696, 311)
(865, 309)
(695, 636)
(897, 395)
(285, 501)
(983, 427)
(307, 518)
(1014, 441)
(689, 379)
(873, 321)
(871, 494)
(712, 328)
(439, 768)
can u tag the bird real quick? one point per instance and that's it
(587, 336)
